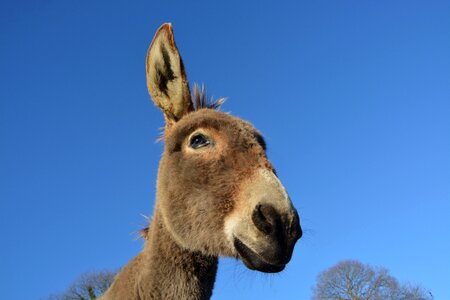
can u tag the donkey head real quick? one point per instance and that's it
(217, 192)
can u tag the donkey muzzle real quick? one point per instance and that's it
(281, 231)
(265, 228)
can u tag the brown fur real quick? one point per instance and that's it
(208, 200)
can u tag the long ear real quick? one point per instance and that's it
(166, 79)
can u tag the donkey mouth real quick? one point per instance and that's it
(254, 261)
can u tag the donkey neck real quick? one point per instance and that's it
(171, 272)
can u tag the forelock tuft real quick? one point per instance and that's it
(201, 100)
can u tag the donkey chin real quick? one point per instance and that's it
(263, 232)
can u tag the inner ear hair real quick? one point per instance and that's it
(166, 78)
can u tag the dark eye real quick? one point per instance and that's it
(198, 141)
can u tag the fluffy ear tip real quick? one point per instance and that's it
(165, 28)
(167, 25)
(164, 32)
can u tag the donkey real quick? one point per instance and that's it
(217, 193)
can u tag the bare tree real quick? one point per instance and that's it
(413, 292)
(87, 286)
(352, 280)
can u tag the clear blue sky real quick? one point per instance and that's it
(353, 98)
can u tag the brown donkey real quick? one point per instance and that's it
(217, 194)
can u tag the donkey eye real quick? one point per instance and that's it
(198, 141)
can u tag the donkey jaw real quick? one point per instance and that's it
(254, 261)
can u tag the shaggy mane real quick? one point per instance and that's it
(200, 99)
(143, 233)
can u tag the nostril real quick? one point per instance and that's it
(264, 218)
